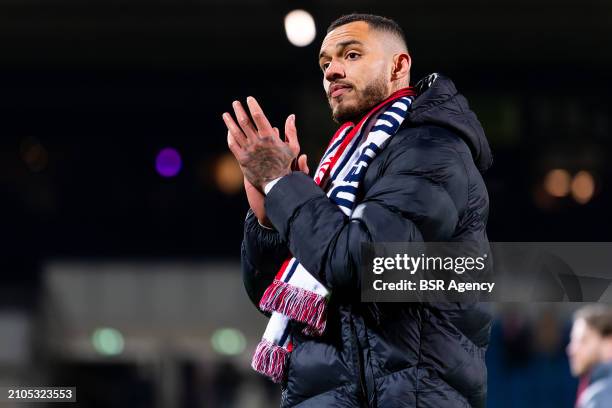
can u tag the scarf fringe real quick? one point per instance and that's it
(270, 360)
(298, 304)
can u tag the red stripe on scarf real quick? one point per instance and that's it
(279, 274)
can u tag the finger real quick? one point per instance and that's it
(276, 131)
(244, 121)
(303, 164)
(291, 134)
(263, 126)
(234, 129)
(232, 142)
(233, 146)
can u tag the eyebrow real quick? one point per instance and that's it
(341, 46)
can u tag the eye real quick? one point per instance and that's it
(324, 66)
(352, 55)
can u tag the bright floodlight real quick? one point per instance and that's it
(557, 183)
(107, 341)
(168, 162)
(228, 341)
(583, 187)
(300, 28)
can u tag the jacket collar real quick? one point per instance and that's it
(601, 371)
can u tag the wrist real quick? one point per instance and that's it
(265, 223)
(270, 184)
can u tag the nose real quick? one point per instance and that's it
(334, 71)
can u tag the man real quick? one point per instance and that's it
(405, 166)
(590, 355)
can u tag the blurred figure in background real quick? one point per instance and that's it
(590, 354)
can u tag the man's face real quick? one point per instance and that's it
(584, 348)
(356, 70)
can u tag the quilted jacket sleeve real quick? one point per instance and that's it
(262, 253)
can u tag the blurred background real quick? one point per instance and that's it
(121, 209)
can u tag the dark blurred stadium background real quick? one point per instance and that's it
(122, 211)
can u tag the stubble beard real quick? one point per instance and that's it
(375, 92)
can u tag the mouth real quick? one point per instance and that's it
(338, 89)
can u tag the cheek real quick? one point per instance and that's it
(378, 68)
(590, 351)
(366, 72)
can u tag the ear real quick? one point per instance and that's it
(401, 66)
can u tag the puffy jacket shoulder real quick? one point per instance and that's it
(424, 174)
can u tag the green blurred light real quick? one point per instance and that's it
(228, 341)
(107, 341)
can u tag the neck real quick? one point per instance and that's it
(606, 353)
(397, 85)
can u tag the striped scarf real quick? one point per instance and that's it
(295, 294)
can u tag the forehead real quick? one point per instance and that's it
(578, 327)
(358, 30)
(581, 329)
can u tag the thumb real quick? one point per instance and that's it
(291, 134)
(303, 164)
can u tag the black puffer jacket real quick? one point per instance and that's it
(425, 185)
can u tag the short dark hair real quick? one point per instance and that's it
(597, 317)
(375, 22)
